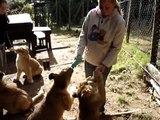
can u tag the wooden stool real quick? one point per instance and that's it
(41, 37)
(43, 34)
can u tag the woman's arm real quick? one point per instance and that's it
(82, 42)
(115, 46)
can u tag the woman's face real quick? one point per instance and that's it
(106, 7)
(4, 7)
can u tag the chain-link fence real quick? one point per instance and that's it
(139, 16)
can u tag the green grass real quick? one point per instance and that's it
(132, 58)
(74, 31)
(122, 100)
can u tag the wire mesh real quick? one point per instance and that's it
(140, 17)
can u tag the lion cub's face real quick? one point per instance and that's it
(87, 89)
(62, 79)
(22, 51)
(92, 87)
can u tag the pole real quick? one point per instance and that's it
(156, 34)
(56, 11)
(129, 22)
(69, 13)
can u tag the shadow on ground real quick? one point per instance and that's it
(11, 63)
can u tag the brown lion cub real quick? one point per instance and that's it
(15, 100)
(25, 63)
(90, 94)
(57, 100)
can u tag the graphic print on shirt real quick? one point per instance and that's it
(97, 34)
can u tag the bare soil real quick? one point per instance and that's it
(124, 91)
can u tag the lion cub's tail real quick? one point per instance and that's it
(38, 98)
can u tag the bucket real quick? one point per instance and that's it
(46, 65)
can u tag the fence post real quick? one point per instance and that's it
(129, 22)
(69, 15)
(156, 34)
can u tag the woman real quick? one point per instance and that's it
(4, 38)
(101, 38)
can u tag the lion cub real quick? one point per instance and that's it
(14, 99)
(25, 63)
(57, 100)
(90, 94)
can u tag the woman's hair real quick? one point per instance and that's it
(117, 6)
(113, 1)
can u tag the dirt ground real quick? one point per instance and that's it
(134, 92)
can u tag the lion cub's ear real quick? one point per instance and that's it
(52, 76)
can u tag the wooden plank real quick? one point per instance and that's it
(155, 74)
(155, 86)
(40, 34)
(123, 113)
(43, 29)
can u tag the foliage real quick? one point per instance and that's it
(122, 100)
(22, 1)
(131, 58)
(15, 7)
(74, 31)
(20, 7)
(28, 8)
